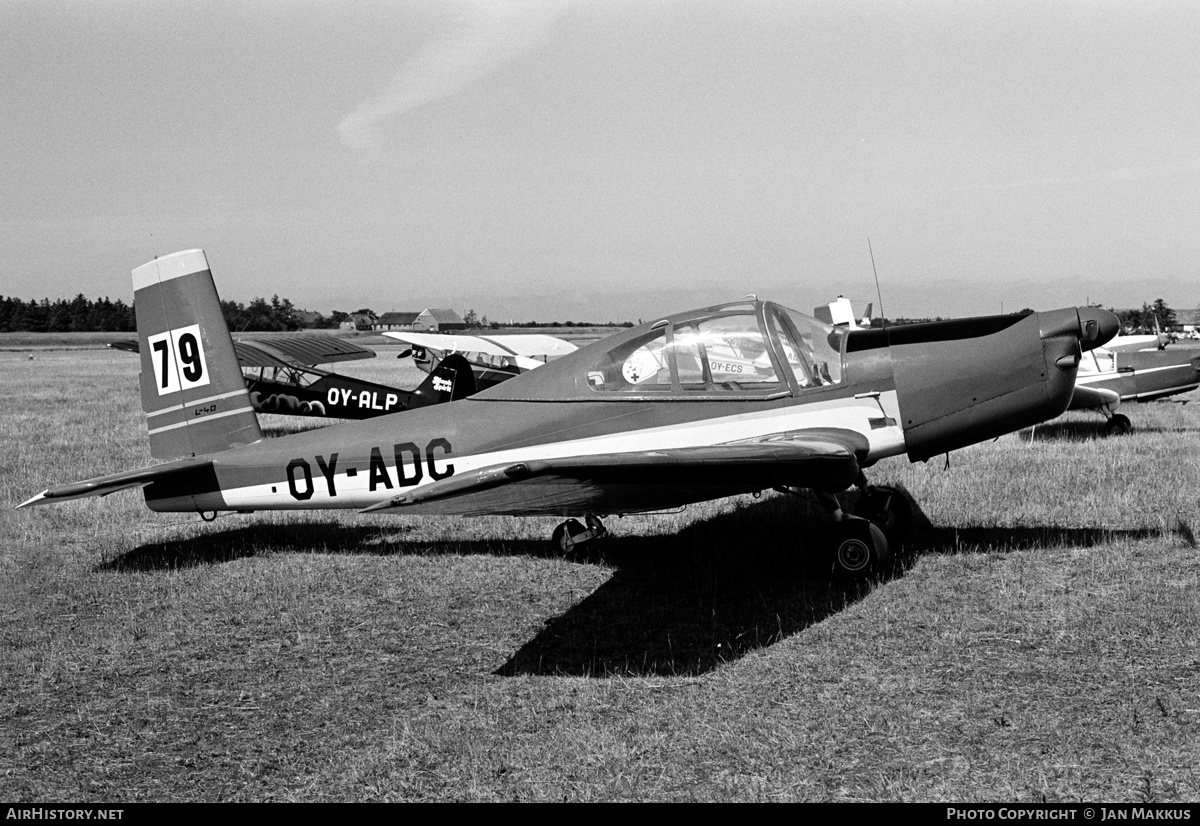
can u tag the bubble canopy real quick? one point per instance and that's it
(739, 350)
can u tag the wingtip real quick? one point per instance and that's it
(33, 500)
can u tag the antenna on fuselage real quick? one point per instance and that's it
(878, 294)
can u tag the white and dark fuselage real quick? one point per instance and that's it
(723, 400)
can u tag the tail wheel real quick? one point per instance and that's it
(860, 548)
(563, 538)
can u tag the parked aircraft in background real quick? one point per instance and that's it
(840, 313)
(1133, 343)
(1106, 379)
(492, 358)
(731, 399)
(282, 377)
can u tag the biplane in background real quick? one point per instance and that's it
(840, 313)
(732, 399)
(282, 376)
(493, 359)
(1107, 378)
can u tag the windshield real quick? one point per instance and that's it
(812, 349)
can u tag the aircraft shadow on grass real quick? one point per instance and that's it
(676, 605)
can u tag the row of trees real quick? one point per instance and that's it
(1142, 321)
(78, 315)
(81, 314)
(274, 316)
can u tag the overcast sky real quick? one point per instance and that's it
(608, 158)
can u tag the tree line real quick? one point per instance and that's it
(79, 315)
(83, 315)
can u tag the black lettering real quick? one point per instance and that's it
(189, 355)
(161, 347)
(415, 453)
(328, 471)
(308, 485)
(379, 472)
(429, 459)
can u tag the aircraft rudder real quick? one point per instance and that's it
(192, 388)
(452, 379)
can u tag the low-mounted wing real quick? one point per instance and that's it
(1087, 398)
(641, 481)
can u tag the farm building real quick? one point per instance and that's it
(429, 320)
(1186, 321)
(358, 321)
(434, 321)
(402, 321)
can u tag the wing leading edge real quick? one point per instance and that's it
(642, 481)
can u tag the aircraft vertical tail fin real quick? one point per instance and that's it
(451, 379)
(193, 393)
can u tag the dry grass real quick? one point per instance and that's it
(1037, 640)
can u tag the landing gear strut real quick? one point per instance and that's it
(571, 534)
(862, 539)
(1118, 424)
(886, 507)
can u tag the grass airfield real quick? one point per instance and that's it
(1037, 640)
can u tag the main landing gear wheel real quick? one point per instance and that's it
(571, 534)
(860, 547)
(1118, 425)
(888, 508)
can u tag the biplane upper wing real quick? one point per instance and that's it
(529, 345)
(641, 481)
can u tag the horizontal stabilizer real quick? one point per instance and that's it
(104, 485)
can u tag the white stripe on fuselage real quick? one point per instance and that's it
(195, 403)
(847, 414)
(208, 417)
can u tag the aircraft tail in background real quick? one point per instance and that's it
(192, 388)
(451, 379)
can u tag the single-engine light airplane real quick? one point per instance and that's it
(493, 359)
(731, 399)
(1106, 379)
(282, 376)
